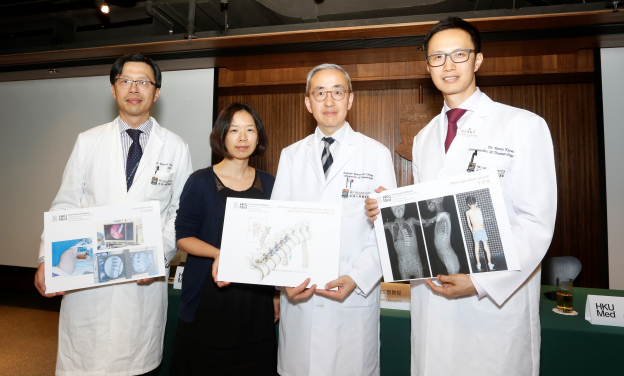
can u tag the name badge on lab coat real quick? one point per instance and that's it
(468, 132)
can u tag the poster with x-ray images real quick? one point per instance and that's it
(448, 226)
(108, 244)
(280, 243)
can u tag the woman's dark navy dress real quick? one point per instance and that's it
(221, 331)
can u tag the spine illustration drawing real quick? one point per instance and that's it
(277, 249)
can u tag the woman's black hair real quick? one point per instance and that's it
(118, 65)
(455, 23)
(222, 126)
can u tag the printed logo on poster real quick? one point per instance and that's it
(62, 217)
(387, 198)
(345, 193)
(240, 205)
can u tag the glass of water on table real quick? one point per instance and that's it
(564, 294)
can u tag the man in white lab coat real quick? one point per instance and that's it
(325, 332)
(482, 324)
(119, 329)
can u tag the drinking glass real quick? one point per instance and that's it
(564, 294)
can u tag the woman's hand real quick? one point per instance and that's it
(215, 270)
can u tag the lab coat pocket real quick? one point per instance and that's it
(353, 208)
(498, 163)
(160, 186)
(354, 199)
(515, 305)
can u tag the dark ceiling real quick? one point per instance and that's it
(47, 25)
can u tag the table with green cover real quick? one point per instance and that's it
(570, 344)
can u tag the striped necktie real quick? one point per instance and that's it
(326, 158)
(134, 156)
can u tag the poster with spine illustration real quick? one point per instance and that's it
(92, 247)
(448, 226)
(280, 243)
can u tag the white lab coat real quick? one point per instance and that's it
(118, 329)
(320, 336)
(499, 334)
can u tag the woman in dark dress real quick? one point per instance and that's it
(223, 328)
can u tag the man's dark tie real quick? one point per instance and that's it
(453, 117)
(134, 156)
(326, 157)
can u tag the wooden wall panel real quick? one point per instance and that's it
(568, 109)
(579, 62)
(570, 113)
(285, 118)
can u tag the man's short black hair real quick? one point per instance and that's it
(117, 67)
(455, 23)
(222, 126)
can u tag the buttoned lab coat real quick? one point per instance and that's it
(321, 336)
(499, 334)
(119, 329)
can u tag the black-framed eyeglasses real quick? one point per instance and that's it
(125, 83)
(457, 56)
(321, 95)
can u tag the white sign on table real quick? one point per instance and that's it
(177, 282)
(605, 310)
(280, 243)
(434, 228)
(102, 245)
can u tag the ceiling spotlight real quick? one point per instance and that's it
(101, 4)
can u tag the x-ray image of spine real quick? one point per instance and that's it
(442, 237)
(403, 233)
(278, 249)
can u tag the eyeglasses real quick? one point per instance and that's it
(321, 95)
(125, 83)
(457, 56)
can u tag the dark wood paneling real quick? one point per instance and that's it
(570, 113)
(493, 69)
(285, 118)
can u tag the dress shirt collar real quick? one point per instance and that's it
(145, 127)
(338, 136)
(470, 105)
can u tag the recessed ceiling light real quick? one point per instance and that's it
(101, 4)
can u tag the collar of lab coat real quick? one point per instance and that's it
(484, 109)
(113, 143)
(345, 153)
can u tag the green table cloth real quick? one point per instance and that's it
(573, 346)
(570, 344)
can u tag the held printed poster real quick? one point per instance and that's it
(280, 243)
(102, 245)
(448, 226)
